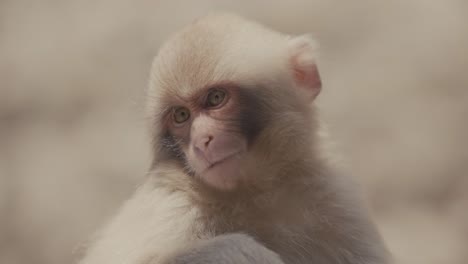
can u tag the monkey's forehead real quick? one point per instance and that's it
(218, 48)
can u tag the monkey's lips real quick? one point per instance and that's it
(236, 155)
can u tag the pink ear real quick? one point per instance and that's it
(303, 51)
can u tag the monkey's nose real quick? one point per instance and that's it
(213, 148)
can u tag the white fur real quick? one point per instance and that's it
(295, 203)
(152, 224)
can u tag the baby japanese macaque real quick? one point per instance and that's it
(239, 173)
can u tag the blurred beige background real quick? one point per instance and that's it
(73, 144)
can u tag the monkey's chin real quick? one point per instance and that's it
(223, 175)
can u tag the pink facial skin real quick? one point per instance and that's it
(215, 153)
(215, 144)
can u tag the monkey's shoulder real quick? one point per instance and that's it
(151, 224)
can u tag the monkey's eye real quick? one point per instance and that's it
(215, 98)
(180, 115)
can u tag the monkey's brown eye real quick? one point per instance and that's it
(181, 114)
(215, 98)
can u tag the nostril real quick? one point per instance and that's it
(208, 140)
(201, 145)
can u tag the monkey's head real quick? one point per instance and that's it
(230, 101)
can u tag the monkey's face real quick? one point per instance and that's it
(212, 131)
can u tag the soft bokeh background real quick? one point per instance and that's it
(73, 144)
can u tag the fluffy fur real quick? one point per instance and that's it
(291, 206)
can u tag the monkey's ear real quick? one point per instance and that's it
(303, 53)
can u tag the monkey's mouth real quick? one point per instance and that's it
(222, 161)
(224, 173)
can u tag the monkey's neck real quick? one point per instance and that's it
(287, 184)
(289, 192)
(254, 208)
